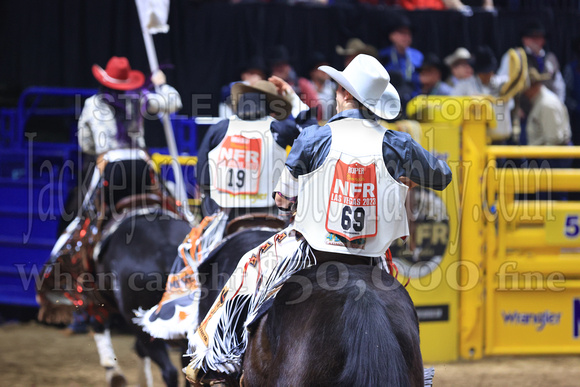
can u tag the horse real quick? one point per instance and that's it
(139, 270)
(333, 324)
(134, 248)
(337, 325)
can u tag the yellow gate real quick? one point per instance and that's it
(533, 255)
(517, 262)
(438, 280)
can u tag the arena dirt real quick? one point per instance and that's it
(37, 355)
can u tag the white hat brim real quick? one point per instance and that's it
(387, 107)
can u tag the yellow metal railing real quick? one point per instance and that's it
(527, 251)
(528, 151)
(160, 159)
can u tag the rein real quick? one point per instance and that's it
(393, 269)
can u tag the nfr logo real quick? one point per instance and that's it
(576, 317)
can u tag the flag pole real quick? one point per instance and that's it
(180, 191)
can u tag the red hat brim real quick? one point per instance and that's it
(135, 79)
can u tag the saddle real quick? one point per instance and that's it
(130, 207)
(138, 201)
(254, 220)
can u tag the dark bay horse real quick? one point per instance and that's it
(337, 325)
(138, 257)
(330, 325)
(118, 264)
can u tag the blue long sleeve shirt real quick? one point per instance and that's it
(403, 156)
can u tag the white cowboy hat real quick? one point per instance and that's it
(461, 53)
(368, 81)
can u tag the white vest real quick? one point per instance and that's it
(351, 204)
(246, 165)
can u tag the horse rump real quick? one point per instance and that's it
(337, 325)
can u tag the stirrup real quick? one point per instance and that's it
(192, 376)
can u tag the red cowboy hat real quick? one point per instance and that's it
(118, 75)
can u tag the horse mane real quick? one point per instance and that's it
(376, 356)
(362, 331)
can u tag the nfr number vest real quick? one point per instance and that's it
(351, 204)
(246, 165)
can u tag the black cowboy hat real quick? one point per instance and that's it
(485, 60)
(314, 60)
(533, 28)
(276, 55)
(400, 21)
(256, 63)
(431, 60)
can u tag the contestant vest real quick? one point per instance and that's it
(351, 204)
(246, 165)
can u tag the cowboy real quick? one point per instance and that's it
(545, 62)
(226, 178)
(347, 181)
(485, 82)
(459, 64)
(239, 162)
(431, 76)
(113, 118)
(110, 127)
(533, 38)
(548, 123)
(400, 57)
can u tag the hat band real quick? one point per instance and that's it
(110, 79)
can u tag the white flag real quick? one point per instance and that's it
(153, 15)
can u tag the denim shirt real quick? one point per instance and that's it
(403, 156)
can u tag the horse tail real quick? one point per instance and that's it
(375, 357)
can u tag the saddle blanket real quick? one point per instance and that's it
(221, 339)
(177, 311)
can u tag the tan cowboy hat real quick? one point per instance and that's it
(356, 46)
(118, 75)
(537, 77)
(517, 73)
(461, 53)
(369, 83)
(277, 104)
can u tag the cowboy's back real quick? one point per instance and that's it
(347, 174)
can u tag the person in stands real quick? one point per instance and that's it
(459, 63)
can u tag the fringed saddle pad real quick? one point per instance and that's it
(177, 311)
(221, 339)
(428, 373)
